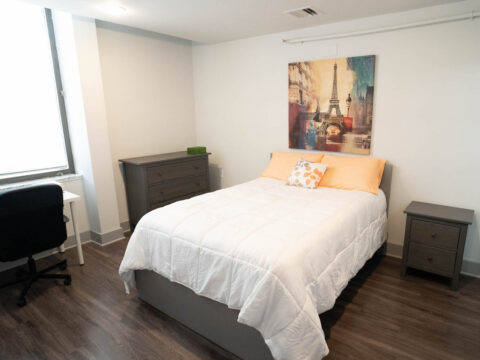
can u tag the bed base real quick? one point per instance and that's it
(209, 318)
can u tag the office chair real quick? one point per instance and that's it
(32, 221)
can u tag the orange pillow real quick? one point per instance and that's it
(282, 164)
(353, 173)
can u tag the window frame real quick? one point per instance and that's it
(45, 173)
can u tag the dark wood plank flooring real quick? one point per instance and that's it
(379, 316)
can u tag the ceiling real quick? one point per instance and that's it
(211, 21)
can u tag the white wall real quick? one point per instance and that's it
(72, 87)
(85, 37)
(77, 45)
(148, 84)
(425, 123)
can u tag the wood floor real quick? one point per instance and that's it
(379, 316)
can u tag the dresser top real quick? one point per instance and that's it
(143, 160)
(440, 212)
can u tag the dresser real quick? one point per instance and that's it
(435, 238)
(158, 180)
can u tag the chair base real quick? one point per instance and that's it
(33, 275)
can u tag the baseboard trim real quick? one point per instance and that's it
(110, 242)
(85, 237)
(69, 243)
(125, 226)
(469, 267)
(67, 247)
(108, 237)
(394, 250)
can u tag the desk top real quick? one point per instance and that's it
(69, 197)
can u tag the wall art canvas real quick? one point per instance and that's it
(331, 104)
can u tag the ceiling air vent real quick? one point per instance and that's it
(302, 12)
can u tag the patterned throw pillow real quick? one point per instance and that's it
(307, 174)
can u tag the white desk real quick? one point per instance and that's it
(70, 199)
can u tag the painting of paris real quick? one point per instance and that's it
(331, 104)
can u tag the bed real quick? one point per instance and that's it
(250, 267)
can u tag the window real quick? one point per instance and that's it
(34, 140)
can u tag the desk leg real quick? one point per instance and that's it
(77, 234)
(61, 248)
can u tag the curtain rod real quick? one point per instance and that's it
(467, 16)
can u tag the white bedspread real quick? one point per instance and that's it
(279, 254)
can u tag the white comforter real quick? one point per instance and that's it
(280, 254)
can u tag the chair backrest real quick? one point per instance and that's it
(31, 221)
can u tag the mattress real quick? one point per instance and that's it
(279, 254)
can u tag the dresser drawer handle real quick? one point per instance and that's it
(196, 167)
(430, 258)
(434, 234)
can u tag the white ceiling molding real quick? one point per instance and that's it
(467, 16)
(211, 21)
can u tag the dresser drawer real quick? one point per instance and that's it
(161, 192)
(435, 234)
(177, 170)
(431, 259)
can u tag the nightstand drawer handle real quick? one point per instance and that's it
(434, 234)
(429, 258)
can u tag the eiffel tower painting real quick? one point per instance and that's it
(334, 102)
(331, 104)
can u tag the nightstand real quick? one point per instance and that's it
(435, 238)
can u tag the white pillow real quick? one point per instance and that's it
(307, 174)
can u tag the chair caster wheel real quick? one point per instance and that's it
(21, 302)
(67, 281)
(63, 266)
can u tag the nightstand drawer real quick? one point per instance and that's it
(435, 234)
(431, 259)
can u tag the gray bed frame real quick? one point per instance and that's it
(209, 318)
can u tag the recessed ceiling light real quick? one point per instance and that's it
(114, 8)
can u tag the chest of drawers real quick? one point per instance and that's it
(158, 180)
(435, 239)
